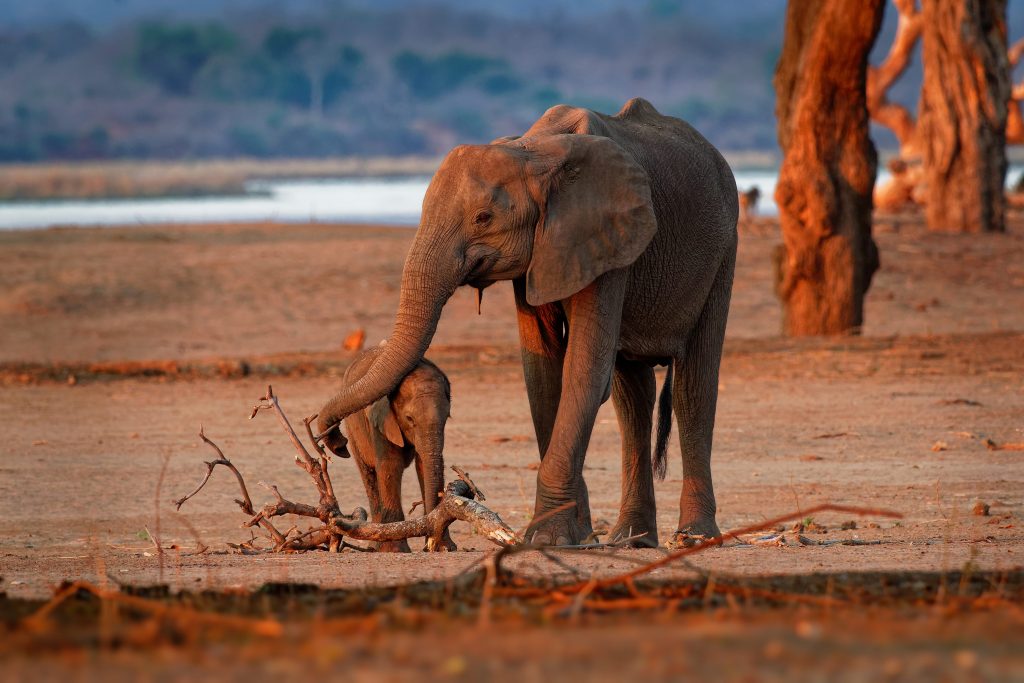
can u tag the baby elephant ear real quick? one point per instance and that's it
(596, 213)
(382, 418)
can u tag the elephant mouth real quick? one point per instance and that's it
(482, 267)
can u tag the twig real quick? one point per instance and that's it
(153, 539)
(464, 476)
(262, 627)
(547, 515)
(309, 431)
(717, 541)
(156, 511)
(245, 503)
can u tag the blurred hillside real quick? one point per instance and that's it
(163, 79)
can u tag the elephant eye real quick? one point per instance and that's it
(482, 218)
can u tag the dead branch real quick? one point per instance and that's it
(1014, 118)
(265, 627)
(717, 541)
(316, 469)
(309, 432)
(459, 503)
(880, 79)
(245, 503)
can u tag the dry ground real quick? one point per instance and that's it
(900, 418)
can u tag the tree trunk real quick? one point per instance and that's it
(828, 169)
(963, 111)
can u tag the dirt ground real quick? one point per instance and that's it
(924, 414)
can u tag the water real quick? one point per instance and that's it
(358, 200)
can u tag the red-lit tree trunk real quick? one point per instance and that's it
(963, 111)
(828, 169)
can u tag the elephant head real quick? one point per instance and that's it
(415, 415)
(559, 210)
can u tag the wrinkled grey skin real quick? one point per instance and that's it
(619, 234)
(402, 427)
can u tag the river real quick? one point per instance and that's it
(359, 200)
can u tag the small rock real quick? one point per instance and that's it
(72, 380)
(773, 649)
(966, 659)
(847, 526)
(355, 340)
(980, 508)
(892, 667)
(808, 630)
(940, 446)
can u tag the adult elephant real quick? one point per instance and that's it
(619, 234)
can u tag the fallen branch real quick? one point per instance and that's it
(459, 503)
(456, 504)
(245, 503)
(265, 627)
(717, 541)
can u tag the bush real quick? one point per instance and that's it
(172, 55)
(430, 78)
(282, 43)
(500, 84)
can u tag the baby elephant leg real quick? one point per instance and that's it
(384, 490)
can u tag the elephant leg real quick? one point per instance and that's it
(446, 540)
(369, 476)
(542, 341)
(633, 394)
(694, 400)
(389, 486)
(594, 318)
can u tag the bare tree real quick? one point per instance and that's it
(1014, 118)
(893, 115)
(963, 113)
(828, 169)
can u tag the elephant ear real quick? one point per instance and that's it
(596, 213)
(382, 418)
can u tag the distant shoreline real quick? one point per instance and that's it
(142, 179)
(123, 179)
(137, 179)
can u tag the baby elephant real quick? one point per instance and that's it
(406, 425)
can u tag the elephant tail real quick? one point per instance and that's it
(659, 459)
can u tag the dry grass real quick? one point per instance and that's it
(107, 179)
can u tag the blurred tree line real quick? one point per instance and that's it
(346, 81)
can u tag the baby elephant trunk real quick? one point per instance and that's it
(432, 453)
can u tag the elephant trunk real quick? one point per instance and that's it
(428, 281)
(433, 469)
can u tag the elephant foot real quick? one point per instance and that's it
(393, 547)
(694, 534)
(561, 528)
(642, 531)
(445, 545)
